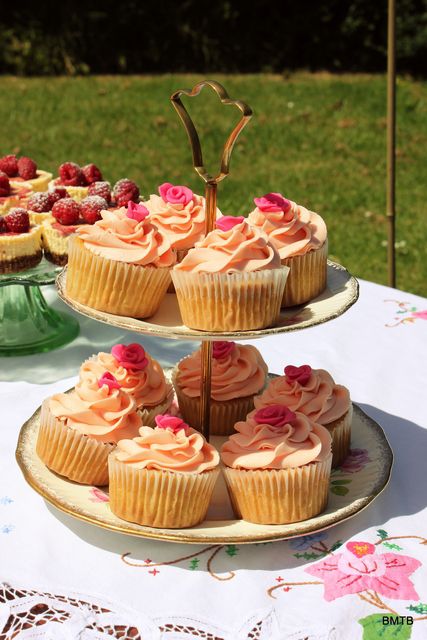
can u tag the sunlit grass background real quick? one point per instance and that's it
(318, 139)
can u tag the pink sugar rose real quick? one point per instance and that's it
(173, 423)
(131, 356)
(137, 211)
(222, 349)
(298, 374)
(108, 379)
(273, 202)
(275, 415)
(175, 194)
(225, 223)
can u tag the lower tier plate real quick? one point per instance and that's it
(362, 477)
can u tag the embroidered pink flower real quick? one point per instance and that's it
(108, 379)
(175, 195)
(273, 202)
(131, 356)
(173, 423)
(420, 314)
(359, 567)
(299, 374)
(225, 223)
(355, 461)
(222, 349)
(137, 211)
(275, 415)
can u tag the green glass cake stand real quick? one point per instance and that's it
(27, 323)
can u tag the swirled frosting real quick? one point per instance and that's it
(240, 248)
(317, 397)
(147, 386)
(279, 439)
(96, 409)
(120, 237)
(293, 229)
(236, 373)
(170, 448)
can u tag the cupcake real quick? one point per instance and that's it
(238, 374)
(20, 242)
(164, 477)
(231, 281)
(314, 393)
(300, 237)
(79, 429)
(121, 264)
(277, 466)
(138, 374)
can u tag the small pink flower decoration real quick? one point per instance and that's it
(359, 567)
(131, 356)
(225, 223)
(420, 314)
(222, 349)
(98, 495)
(173, 423)
(355, 461)
(108, 379)
(175, 194)
(272, 202)
(298, 374)
(275, 415)
(137, 211)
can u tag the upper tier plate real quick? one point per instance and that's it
(341, 293)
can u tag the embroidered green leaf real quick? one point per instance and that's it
(418, 608)
(339, 491)
(231, 550)
(341, 482)
(194, 563)
(309, 556)
(382, 534)
(374, 629)
(336, 545)
(392, 546)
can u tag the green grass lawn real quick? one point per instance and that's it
(318, 139)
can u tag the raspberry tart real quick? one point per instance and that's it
(20, 242)
(76, 179)
(12, 195)
(23, 172)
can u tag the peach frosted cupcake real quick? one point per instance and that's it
(79, 429)
(314, 393)
(277, 466)
(164, 477)
(238, 374)
(231, 281)
(300, 236)
(138, 374)
(121, 264)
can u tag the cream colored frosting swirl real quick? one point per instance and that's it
(185, 451)
(183, 225)
(319, 398)
(103, 413)
(241, 248)
(259, 445)
(293, 232)
(241, 372)
(124, 239)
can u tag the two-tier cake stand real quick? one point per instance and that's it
(350, 492)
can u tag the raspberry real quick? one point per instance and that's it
(4, 185)
(91, 173)
(9, 165)
(57, 194)
(71, 174)
(17, 220)
(91, 207)
(3, 225)
(39, 202)
(124, 191)
(102, 189)
(27, 168)
(66, 211)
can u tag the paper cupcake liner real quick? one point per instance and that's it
(70, 453)
(283, 496)
(340, 431)
(230, 301)
(112, 286)
(180, 255)
(149, 413)
(162, 499)
(307, 276)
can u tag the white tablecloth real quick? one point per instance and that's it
(67, 579)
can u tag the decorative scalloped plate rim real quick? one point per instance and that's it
(368, 483)
(341, 293)
(43, 273)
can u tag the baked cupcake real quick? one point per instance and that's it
(231, 281)
(138, 374)
(300, 237)
(314, 393)
(277, 466)
(121, 264)
(164, 477)
(238, 374)
(79, 429)
(20, 242)
(23, 173)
